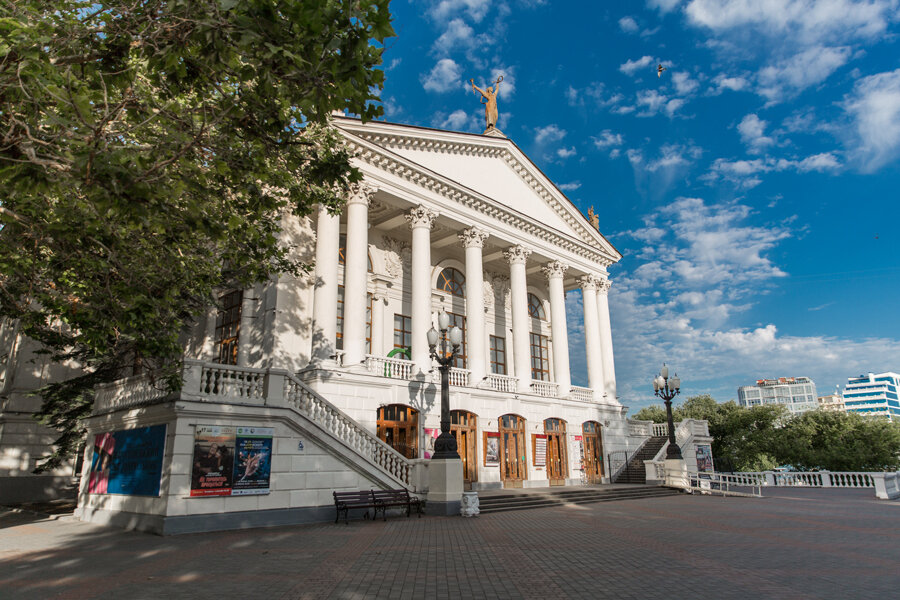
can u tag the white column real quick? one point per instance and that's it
(355, 274)
(606, 344)
(592, 334)
(555, 271)
(378, 300)
(473, 241)
(420, 221)
(517, 255)
(247, 307)
(328, 233)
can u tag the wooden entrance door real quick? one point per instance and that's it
(398, 427)
(512, 451)
(593, 452)
(557, 463)
(463, 426)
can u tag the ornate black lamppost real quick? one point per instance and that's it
(445, 445)
(667, 388)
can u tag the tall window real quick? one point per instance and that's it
(536, 307)
(402, 331)
(452, 281)
(341, 252)
(228, 327)
(459, 360)
(339, 342)
(540, 357)
(498, 355)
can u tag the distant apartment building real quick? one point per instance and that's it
(873, 395)
(833, 402)
(798, 394)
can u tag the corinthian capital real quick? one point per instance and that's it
(603, 286)
(554, 269)
(473, 237)
(589, 282)
(517, 255)
(421, 217)
(361, 193)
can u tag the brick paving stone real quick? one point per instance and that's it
(797, 544)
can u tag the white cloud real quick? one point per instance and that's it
(734, 84)
(628, 25)
(457, 35)
(664, 6)
(874, 107)
(508, 85)
(596, 92)
(548, 134)
(655, 176)
(684, 85)
(652, 102)
(752, 130)
(459, 120)
(570, 187)
(802, 70)
(744, 173)
(445, 76)
(445, 9)
(629, 67)
(566, 152)
(607, 139)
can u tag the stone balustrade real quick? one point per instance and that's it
(545, 389)
(395, 368)
(502, 383)
(639, 428)
(128, 392)
(582, 394)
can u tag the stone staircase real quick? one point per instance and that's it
(501, 502)
(634, 471)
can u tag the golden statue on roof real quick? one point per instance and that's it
(489, 99)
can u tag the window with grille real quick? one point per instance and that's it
(402, 331)
(536, 307)
(540, 357)
(339, 342)
(452, 281)
(498, 355)
(459, 361)
(228, 327)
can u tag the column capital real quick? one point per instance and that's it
(421, 216)
(516, 255)
(555, 269)
(589, 282)
(361, 193)
(473, 237)
(603, 286)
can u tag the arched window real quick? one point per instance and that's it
(343, 246)
(451, 280)
(536, 307)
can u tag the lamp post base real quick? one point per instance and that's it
(445, 486)
(677, 473)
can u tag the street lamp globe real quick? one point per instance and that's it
(432, 336)
(455, 336)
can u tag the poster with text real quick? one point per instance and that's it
(252, 460)
(704, 458)
(213, 463)
(540, 449)
(491, 449)
(430, 436)
(128, 462)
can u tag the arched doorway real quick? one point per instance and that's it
(557, 463)
(463, 425)
(593, 451)
(398, 427)
(512, 451)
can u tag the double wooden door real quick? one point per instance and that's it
(557, 463)
(593, 452)
(464, 427)
(512, 451)
(398, 427)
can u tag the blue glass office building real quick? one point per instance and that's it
(873, 395)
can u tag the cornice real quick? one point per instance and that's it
(370, 147)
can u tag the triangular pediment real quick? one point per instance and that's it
(492, 167)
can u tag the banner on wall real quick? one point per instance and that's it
(231, 461)
(540, 449)
(128, 462)
(430, 436)
(704, 458)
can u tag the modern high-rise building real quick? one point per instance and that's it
(798, 394)
(873, 395)
(832, 402)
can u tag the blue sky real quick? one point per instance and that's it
(752, 189)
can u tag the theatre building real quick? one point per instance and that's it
(302, 386)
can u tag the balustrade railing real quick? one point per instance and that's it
(230, 381)
(747, 484)
(660, 429)
(131, 391)
(459, 377)
(501, 383)
(582, 394)
(546, 389)
(639, 428)
(395, 368)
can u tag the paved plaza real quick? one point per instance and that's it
(799, 543)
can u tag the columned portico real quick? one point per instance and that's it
(592, 334)
(555, 271)
(516, 256)
(355, 261)
(325, 292)
(606, 345)
(421, 219)
(473, 241)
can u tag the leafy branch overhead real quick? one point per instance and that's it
(149, 151)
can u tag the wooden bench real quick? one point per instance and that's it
(385, 499)
(345, 501)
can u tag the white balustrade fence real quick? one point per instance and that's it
(660, 429)
(639, 428)
(219, 381)
(546, 389)
(502, 383)
(395, 368)
(582, 394)
(128, 392)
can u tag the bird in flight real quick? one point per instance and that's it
(659, 70)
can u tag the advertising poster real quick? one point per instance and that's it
(540, 449)
(128, 462)
(252, 461)
(704, 458)
(231, 461)
(491, 449)
(579, 447)
(430, 436)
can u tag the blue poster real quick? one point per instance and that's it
(252, 460)
(135, 464)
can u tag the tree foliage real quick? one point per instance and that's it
(764, 437)
(150, 149)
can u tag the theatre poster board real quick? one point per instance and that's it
(491, 449)
(539, 449)
(128, 462)
(231, 461)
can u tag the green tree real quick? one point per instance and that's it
(654, 412)
(150, 151)
(838, 441)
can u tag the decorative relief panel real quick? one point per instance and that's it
(396, 255)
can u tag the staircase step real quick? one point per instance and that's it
(504, 503)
